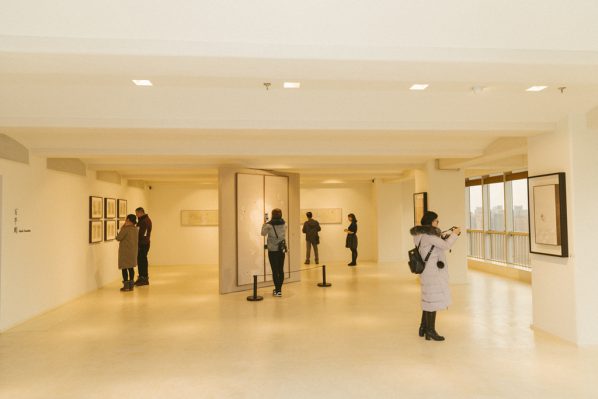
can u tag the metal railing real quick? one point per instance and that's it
(499, 246)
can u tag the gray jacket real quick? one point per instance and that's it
(268, 230)
(436, 293)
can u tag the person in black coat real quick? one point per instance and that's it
(351, 241)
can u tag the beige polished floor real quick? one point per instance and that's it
(179, 339)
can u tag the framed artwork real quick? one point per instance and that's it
(109, 208)
(420, 206)
(96, 231)
(109, 230)
(121, 223)
(324, 215)
(547, 201)
(122, 208)
(96, 207)
(199, 218)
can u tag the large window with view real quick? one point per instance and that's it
(498, 225)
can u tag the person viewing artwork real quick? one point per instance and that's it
(435, 291)
(351, 241)
(311, 227)
(145, 232)
(276, 231)
(128, 238)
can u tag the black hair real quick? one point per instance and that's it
(309, 214)
(353, 218)
(132, 218)
(140, 209)
(428, 218)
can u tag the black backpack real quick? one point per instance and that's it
(416, 263)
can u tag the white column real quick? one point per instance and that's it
(446, 197)
(565, 295)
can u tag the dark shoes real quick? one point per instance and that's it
(142, 281)
(127, 286)
(352, 264)
(307, 262)
(431, 333)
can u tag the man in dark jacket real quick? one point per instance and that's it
(145, 231)
(311, 228)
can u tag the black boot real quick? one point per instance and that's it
(422, 324)
(431, 328)
(142, 281)
(127, 285)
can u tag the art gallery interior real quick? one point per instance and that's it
(210, 114)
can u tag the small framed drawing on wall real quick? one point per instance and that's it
(121, 223)
(109, 208)
(547, 201)
(109, 230)
(420, 206)
(122, 208)
(96, 207)
(96, 231)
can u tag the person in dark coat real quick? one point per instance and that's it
(351, 241)
(311, 227)
(434, 281)
(127, 251)
(145, 232)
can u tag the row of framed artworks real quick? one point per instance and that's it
(104, 230)
(547, 215)
(110, 209)
(107, 208)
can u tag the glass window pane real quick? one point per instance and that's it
(476, 210)
(496, 198)
(520, 211)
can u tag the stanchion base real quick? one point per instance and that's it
(324, 285)
(255, 298)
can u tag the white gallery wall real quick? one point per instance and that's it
(54, 263)
(173, 244)
(358, 198)
(564, 289)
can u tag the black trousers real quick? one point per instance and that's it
(276, 259)
(142, 259)
(128, 274)
(353, 255)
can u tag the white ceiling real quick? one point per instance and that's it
(66, 90)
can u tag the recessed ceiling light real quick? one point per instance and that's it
(332, 181)
(419, 86)
(291, 85)
(536, 88)
(142, 82)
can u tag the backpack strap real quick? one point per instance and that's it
(429, 253)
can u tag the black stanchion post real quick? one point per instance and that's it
(324, 283)
(255, 296)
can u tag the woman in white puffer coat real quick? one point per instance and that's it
(435, 290)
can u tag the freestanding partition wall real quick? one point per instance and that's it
(245, 195)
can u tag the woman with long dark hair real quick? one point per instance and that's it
(351, 241)
(276, 231)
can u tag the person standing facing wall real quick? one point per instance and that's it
(351, 241)
(311, 227)
(276, 230)
(128, 243)
(145, 232)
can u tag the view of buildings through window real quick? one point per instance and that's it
(498, 223)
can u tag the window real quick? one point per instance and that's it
(520, 211)
(498, 224)
(476, 209)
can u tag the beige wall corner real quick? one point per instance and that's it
(68, 165)
(13, 150)
(109, 176)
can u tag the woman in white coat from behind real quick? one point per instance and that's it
(435, 290)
